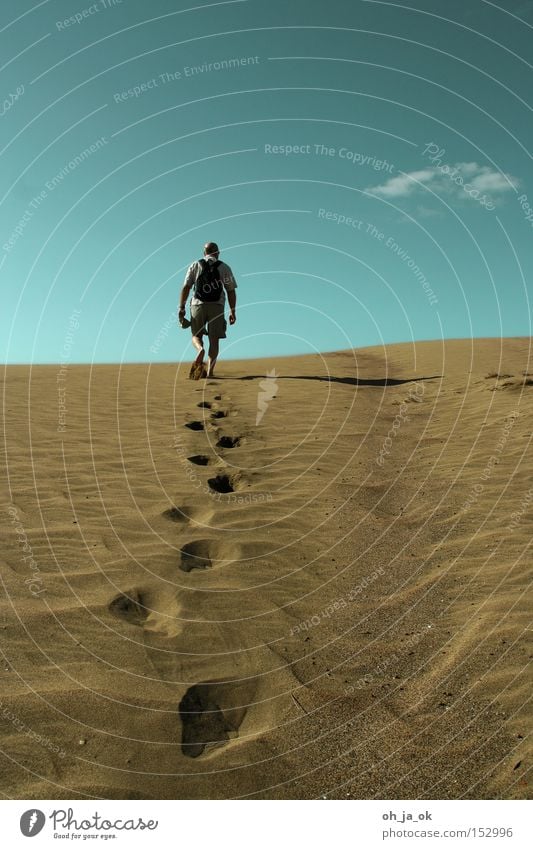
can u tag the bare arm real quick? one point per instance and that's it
(184, 295)
(186, 288)
(230, 284)
(232, 300)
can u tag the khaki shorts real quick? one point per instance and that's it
(208, 318)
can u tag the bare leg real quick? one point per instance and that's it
(212, 357)
(198, 369)
(198, 344)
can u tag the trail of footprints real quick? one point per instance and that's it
(221, 483)
(509, 381)
(211, 712)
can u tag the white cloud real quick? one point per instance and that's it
(446, 179)
(403, 185)
(468, 168)
(490, 181)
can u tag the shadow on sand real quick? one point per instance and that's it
(350, 381)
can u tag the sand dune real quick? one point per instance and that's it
(311, 584)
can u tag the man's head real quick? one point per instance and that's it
(211, 249)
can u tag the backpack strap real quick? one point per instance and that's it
(204, 263)
(210, 267)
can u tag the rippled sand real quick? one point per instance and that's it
(291, 584)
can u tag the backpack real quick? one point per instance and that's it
(208, 286)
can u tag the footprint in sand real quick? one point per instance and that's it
(208, 553)
(195, 425)
(229, 442)
(206, 404)
(156, 611)
(216, 711)
(200, 515)
(187, 639)
(196, 555)
(212, 713)
(221, 483)
(130, 606)
(174, 514)
(200, 460)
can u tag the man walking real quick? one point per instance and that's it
(209, 278)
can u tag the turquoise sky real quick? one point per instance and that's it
(365, 167)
